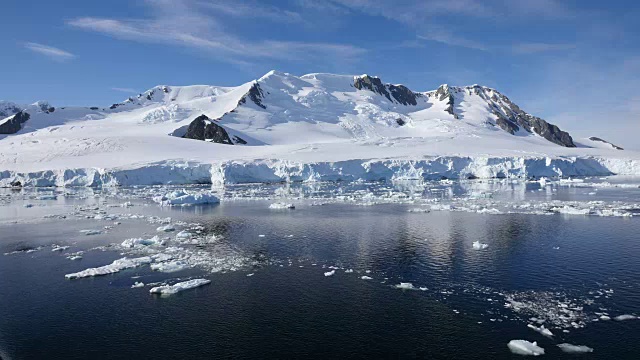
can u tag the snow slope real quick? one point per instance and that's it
(308, 128)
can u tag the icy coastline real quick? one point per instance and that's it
(179, 172)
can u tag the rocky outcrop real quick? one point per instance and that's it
(593, 138)
(371, 83)
(255, 94)
(549, 131)
(203, 128)
(394, 93)
(403, 95)
(14, 123)
(443, 93)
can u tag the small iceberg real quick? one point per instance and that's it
(184, 198)
(281, 206)
(477, 245)
(178, 287)
(624, 317)
(574, 349)
(405, 286)
(166, 228)
(91, 232)
(542, 330)
(170, 266)
(524, 347)
(137, 284)
(365, 277)
(116, 266)
(140, 242)
(330, 273)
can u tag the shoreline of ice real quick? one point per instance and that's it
(180, 172)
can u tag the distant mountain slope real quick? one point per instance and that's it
(314, 118)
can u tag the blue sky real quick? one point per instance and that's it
(575, 63)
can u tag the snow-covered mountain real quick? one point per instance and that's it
(285, 119)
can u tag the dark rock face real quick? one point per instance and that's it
(509, 117)
(506, 124)
(255, 94)
(394, 93)
(550, 132)
(593, 138)
(14, 124)
(444, 93)
(371, 83)
(203, 128)
(403, 95)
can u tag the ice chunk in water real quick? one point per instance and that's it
(137, 284)
(114, 267)
(184, 198)
(405, 286)
(178, 287)
(574, 349)
(479, 246)
(542, 330)
(140, 242)
(365, 277)
(282, 206)
(91, 232)
(330, 273)
(524, 347)
(624, 317)
(166, 228)
(170, 266)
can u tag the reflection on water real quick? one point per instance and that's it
(566, 272)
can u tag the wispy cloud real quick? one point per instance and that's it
(445, 37)
(195, 25)
(50, 51)
(534, 48)
(125, 90)
(253, 10)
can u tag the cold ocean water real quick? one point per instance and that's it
(442, 270)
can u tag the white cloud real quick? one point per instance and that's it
(125, 90)
(49, 51)
(195, 25)
(445, 37)
(533, 48)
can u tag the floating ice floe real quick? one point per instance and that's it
(116, 266)
(140, 242)
(625, 317)
(184, 234)
(170, 266)
(405, 286)
(178, 287)
(419, 210)
(330, 273)
(137, 284)
(91, 232)
(166, 228)
(524, 347)
(184, 198)
(281, 206)
(477, 245)
(542, 330)
(59, 248)
(365, 277)
(574, 349)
